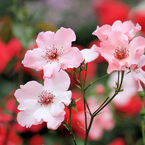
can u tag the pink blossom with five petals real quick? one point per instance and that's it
(117, 48)
(38, 103)
(54, 52)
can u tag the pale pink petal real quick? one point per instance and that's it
(28, 104)
(64, 37)
(142, 61)
(54, 123)
(71, 58)
(118, 39)
(26, 118)
(106, 50)
(136, 48)
(96, 131)
(117, 26)
(64, 97)
(59, 81)
(50, 69)
(130, 29)
(127, 28)
(114, 65)
(102, 32)
(43, 114)
(45, 39)
(106, 119)
(29, 91)
(89, 54)
(34, 59)
(56, 109)
(139, 74)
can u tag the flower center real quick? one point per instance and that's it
(121, 53)
(46, 98)
(51, 55)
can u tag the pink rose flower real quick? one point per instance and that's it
(54, 52)
(117, 47)
(46, 103)
(139, 73)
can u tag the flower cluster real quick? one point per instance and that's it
(46, 103)
(54, 54)
(122, 49)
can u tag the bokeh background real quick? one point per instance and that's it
(20, 22)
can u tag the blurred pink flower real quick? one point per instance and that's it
(139, 73)
(44, 103)
(103, 121)
(116, 46)
(54, 52)
(100, 89)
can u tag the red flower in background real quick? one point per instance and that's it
(132, 107)
(8, 136)
(8, 51)
(36, 140)
(118, 141)
(139, 17)
(108, 11)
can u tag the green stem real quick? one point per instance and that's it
(70, 129)
(85, 112)
(118, 79)
(83, 92)
(142, 114)
(72, 77)
(87, 132)
(107, 101)
(102, 106)
(96, 81)
(143, 130)
(85, 75)
(85, 101)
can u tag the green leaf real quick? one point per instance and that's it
(24, 33)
